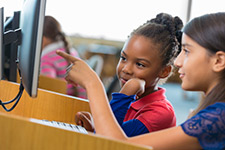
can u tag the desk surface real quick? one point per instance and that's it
(47, 105)
(20, 133)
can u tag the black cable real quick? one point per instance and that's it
(17, 98)
(9, 102)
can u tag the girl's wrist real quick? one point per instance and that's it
(93, 84)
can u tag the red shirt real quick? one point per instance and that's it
(153, 110)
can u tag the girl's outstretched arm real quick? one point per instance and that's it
(106, 124)
(82, 74)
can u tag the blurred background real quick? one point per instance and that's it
(99, 28)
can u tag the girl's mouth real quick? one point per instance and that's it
(181, 75)
(123, 81)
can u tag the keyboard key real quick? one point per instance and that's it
(61, 125)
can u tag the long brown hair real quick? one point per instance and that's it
(52, 30)
(209, 32)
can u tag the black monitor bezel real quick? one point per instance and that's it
(30, 72)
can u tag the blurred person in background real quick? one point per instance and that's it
(53, 65)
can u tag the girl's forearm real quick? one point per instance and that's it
(105, 123)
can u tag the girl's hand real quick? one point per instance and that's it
(85, 120)
(78, 72)
(134, 86)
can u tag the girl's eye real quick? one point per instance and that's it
(122, 58)
(186, 51)
(140, 65)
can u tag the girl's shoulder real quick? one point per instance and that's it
(214, 108)
(218, 104)
(208, 126)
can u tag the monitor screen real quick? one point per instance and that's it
(25, 41)
(29, 52)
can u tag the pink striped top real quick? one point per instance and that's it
(53, 65)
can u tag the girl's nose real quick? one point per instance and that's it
(127, 68)
(178, 60)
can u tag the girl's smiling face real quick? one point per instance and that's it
(194, 63)
(140, 59)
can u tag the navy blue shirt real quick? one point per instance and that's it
(120, 103)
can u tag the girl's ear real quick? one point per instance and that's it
(165, 71)
(219, 61)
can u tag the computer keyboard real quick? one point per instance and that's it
(61, 125)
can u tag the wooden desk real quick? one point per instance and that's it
(18, 132)
(48, 105)
(51, 84)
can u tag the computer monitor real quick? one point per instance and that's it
(29, 36)
(29, 53)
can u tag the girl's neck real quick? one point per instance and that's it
(149, 91)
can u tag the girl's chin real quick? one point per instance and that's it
(185, 87)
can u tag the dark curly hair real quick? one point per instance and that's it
(165, 32)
